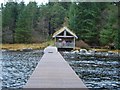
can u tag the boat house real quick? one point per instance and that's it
(65, 38)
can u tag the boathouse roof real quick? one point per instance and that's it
(62, 30)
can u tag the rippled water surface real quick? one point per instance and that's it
(18, 66)
(96, 72)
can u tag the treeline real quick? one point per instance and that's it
(94, 23)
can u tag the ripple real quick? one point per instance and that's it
(97, 72)
(18, 66)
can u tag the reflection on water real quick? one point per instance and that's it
(96, 72)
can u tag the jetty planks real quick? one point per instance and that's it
(54, 72)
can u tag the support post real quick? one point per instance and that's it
(74, 42)
(55, 42)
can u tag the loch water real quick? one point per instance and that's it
(95, 72)
(17, 66)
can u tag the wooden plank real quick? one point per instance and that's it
(54, 72)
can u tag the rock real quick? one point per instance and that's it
(27, 49)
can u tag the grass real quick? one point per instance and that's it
(20, 47)
(16, 47)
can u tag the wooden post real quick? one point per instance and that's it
(74, 42)
(55, 42)
(65, 33)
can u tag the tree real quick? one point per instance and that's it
(0, 28)
(56, 17)
(118, 34)
(72, 17)
(9, 16)
(42, 24)
(84, 19)
(92, 22)
(109, 33)
(26, 23)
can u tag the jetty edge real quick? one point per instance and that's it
(53, 72)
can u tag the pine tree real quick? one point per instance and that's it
(72, 17)
(84, 19)
(109, 33)
(25, 23)
(56, 18)
(9, 16)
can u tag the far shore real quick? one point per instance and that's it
(20, 47)
(35, 46)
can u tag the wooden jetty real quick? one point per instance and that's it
(54, 72)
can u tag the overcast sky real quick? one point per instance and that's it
(45, 1)
(27, 1)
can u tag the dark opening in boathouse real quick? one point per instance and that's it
(64, 38)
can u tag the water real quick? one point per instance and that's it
(0, 69)
(96, 72)
(18, 66)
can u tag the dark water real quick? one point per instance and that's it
(96, 72)
(18, 66)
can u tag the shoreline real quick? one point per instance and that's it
(35, 46)
(21, 47)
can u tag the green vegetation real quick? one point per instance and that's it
(95, 23)
(25, 23)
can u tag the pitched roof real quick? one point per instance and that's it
(63, 29)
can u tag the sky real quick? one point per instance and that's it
(45, 1)
(27, 1)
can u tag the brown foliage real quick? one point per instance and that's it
(82, 44)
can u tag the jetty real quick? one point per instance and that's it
(54, 72)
